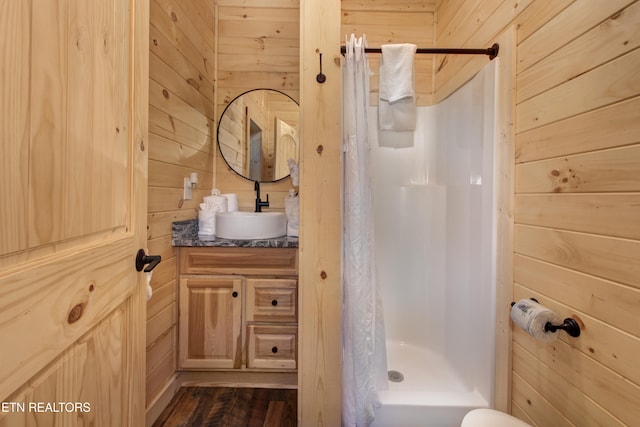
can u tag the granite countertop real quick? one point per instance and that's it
(185, 233)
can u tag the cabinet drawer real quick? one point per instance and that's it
(272, 347)
(272, 300)
(221, 260)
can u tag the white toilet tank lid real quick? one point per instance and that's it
(491, 418)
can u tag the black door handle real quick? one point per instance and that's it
(143, 259)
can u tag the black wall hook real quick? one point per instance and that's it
(321, 78)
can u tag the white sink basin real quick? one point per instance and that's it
(250, 225)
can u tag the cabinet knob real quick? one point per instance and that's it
(274, 302)
(274, 350)
(234, 294)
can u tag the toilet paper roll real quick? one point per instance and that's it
(232, 202)
(531, 317)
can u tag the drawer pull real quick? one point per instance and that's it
(274, 302)
(274, 350)
(234, 294)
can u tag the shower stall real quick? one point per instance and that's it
(435, 226)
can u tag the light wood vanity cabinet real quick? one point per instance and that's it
(238, 308)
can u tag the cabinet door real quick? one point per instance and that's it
(210, 322)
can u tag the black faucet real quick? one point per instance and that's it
(260, 203)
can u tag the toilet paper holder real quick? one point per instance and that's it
(569, 325)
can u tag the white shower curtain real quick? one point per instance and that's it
(364, 369)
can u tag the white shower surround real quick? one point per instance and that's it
(435, 225)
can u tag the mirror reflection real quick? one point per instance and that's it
(258, 133)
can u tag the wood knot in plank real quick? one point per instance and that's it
(76, 313)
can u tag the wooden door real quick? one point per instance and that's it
(73, 132)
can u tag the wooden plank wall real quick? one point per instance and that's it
(258, 46)
(181, 127)
(395, 21)
(577, 163)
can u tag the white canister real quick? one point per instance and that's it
(291, 209)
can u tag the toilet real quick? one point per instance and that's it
(490, 418)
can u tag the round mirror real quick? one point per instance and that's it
(258, 134)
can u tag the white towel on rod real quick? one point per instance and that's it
(397, 101)
(396, 72)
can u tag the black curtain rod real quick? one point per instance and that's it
(492, 52)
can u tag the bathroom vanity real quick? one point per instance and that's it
(238, 306)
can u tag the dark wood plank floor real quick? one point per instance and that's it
(230, 407)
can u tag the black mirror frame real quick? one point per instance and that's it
(220, 121)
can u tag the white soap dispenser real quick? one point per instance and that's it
(291, 209)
